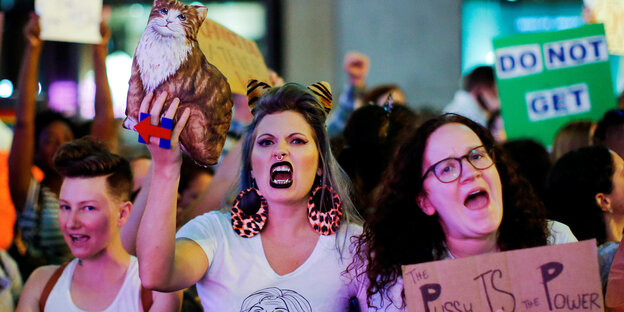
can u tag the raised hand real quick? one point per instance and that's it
(356, 66)
(162, 156)
(32, 31)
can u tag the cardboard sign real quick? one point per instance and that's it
(70, 20)
(239, 59)
(551, 278)
(611, 14)
(546, 80)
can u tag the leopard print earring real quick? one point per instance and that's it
(249, 212)
(324, 222)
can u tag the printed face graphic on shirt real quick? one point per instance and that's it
(274, 299)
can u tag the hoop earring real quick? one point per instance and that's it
(249, 213)
(328, 222)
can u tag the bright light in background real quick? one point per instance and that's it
(197, 3)
(86, 96)
(245, 19)
(489, 58)
(547, 23)
(118, 69)
(136, 10)
(39, 88)
(6, 88)
(63, 96)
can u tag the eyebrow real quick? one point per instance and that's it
(468, 152)
(288, 136)
(91, 201)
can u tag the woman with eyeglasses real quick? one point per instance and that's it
(448, 193)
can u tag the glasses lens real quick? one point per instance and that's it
(447, 170)
(480, 158)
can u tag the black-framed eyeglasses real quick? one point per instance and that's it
(449, 169)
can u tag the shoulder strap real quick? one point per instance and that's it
(49, 285)
(146, 298)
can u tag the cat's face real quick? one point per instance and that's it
(172, 18)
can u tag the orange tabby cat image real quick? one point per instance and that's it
(168, 58)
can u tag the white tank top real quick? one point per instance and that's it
(128, 298)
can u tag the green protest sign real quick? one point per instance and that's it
(546, 80)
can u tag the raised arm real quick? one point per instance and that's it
(225, 178)
(22, 152)
(356, 67)
(167, 301)
(164, 264)
(131, 228)
(103, 126)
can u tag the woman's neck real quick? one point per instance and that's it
(287, 219)
(466, 247)
(614, 225)
(110, 259)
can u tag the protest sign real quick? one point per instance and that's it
(551, 278)
(239, 59)
(546, 80)
(70, 20)
(611, 14)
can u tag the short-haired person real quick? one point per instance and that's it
(610, 131)
(585, 190)
(94, 205)
(290, 227)
(478, 99)
(448, 193)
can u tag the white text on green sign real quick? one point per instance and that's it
(524, 60)
(558, 102)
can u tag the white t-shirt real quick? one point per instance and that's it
(464, 104)
(240, 278)
(559, 234)
(128, 298)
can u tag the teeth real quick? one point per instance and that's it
(282, 168)
(281, 181)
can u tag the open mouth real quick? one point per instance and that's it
(281, 175)
(477, 200)
(78, 239)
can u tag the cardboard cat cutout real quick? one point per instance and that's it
(168, 58)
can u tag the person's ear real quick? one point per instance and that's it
(425, 204)
(124, 213)
(604, 202)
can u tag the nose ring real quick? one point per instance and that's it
(279, 157)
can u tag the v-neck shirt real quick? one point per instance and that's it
(240, 277)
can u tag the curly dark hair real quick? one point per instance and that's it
(572, 186)
(397, 213)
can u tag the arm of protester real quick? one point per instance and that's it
(164, 264)
(21, 157)
(130, 229)
(103, 126)
(224, 179)
(167, 301)
(356, 66)
(274, 79)
(31, 294)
